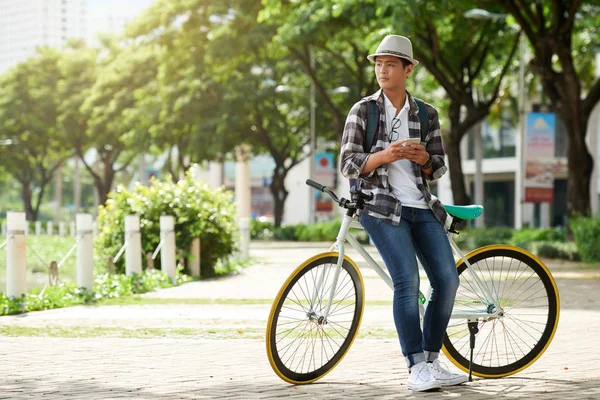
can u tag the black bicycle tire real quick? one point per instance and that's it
(552, 322)
(303, 378)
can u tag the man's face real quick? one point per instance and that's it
(390, 73)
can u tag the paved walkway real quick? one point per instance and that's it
(206, 365)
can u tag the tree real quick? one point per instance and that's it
(183, 102)
(212, 99)
(337, 34)
(115, 127)
(78, 75)
(29, 109)
(562, 35)
(468, 61)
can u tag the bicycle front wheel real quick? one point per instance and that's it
(304, 344)
(524, 288)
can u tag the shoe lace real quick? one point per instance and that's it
(423, 371)
(442, 368)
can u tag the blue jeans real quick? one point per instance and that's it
(419, 234)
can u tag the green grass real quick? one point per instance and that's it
(139, 300)
(151, 333)
(41, 250)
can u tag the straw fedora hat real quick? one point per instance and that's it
(395, 45)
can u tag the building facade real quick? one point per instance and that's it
(499, 172)
(27, 24)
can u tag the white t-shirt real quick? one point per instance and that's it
(401, 176)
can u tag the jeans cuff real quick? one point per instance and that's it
(413, 359)
(431, 356)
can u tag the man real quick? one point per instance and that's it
(395, 170)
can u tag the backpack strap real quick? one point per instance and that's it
(372, 125)
(369, 138)
(423, 117)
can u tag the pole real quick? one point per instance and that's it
(243, 196)
(313, 144)
(142, 169)
(167, 253)
(520, 143)
(85, 251)
(62, 229)
(58, 192)
(195, 259)
(133, 251)
(479, 177)
(593, 133)
(16, 264)
(77, 186)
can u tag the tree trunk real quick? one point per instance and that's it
(564, 90)
(452, 147)
(109, 177)
(207, 269)
(279, 195)
(30, 212)
(580, 165)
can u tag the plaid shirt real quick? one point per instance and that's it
(353, 158)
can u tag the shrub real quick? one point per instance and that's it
(105, 287)
(198, 211)
(475, 238)
(525, 235)
(261, 230)
(586, 231)
(553, 249)
(318, 232)
(287, 232)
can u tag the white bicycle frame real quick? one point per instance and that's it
(343, 235)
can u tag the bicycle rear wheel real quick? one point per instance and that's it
(524, 288)
(302, 345)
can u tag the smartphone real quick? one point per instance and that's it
(410, 141)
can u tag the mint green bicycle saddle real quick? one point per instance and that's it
(465, 212)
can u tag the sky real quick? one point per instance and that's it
(106, 15)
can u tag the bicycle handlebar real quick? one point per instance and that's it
(315, 185)
(346, 203)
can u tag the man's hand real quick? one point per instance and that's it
(400, 151)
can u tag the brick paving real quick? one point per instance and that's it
(194, 368)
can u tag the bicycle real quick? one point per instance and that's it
(507, 296)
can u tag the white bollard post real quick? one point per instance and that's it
(195, 259)
(133, 251)
(72, 229)
(38, 228)
(167, 253)
(245, 237)
(26, 228)
(62, 229)
(50, 228)
(85, 251)
(16, 262)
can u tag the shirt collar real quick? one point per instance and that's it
(388, 104)
(379, 98)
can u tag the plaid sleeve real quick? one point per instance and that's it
(434, 145)
(352, 157)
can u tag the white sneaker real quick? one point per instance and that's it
(420, 378)
(443, 376)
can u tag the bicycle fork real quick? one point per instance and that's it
(339, 244)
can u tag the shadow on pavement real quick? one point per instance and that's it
(529, 388)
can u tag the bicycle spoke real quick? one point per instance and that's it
(303, 339)
(519, 285)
